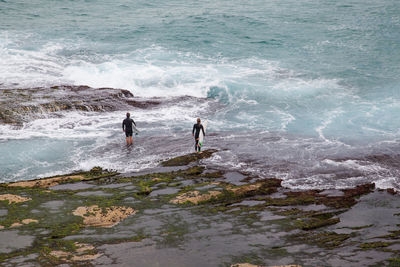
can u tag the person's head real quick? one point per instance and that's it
(128, 114)
(198, 120)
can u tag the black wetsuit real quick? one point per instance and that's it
(196, 132)
(127, 126)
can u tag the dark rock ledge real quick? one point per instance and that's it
(19, 105)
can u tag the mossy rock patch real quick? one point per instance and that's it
(186, 159)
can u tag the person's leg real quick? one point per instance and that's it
(196, 145)
(128, 137)
(131, 138)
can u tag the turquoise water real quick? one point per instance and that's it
(325, 70)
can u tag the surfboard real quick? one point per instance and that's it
(135, 130)
(201, 136)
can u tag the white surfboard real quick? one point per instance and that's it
(201, 136)
(135, 130)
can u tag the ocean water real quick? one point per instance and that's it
(306, 91)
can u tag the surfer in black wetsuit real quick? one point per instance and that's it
(127, 128)
(196, 133)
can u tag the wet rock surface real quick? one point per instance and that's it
(195, 216)
(20, 105)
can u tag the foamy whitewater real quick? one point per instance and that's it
(299, 90)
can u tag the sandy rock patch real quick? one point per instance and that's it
(48, 182)
(252, 265)
(244, 189)
(16, 224)
(14, 198)
(24, 221)
(28, 221)
(81, 253)
(194, 197)
(107, 217)
(83, 247)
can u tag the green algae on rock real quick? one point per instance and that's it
(329, 240)
(208, 210)
(378, 244)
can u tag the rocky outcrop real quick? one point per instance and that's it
(48, 182)
(94, 173)
(186, 159)
(20, 105)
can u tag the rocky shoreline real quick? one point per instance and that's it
(187, 214)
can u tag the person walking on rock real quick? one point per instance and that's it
(128, 129)
(196, 132)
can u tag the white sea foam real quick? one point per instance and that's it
(78, 125)
(153, 71)
(388, 182)
(363, 166)
(29, 68)
(329, 118)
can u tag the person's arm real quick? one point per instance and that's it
(193, 129)
(134, 122)
(123, 126)
(203, 130)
